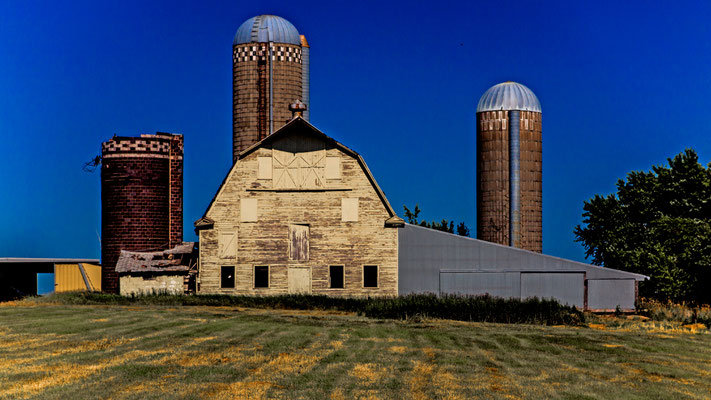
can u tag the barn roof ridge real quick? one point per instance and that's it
(289, 125)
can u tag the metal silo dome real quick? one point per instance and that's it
(509, 96)
(267, 28)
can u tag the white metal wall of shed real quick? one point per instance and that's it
(431, 261)
(608, 294)
(566, 287)
(499, 284)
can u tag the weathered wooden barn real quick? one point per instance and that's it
(301, 213)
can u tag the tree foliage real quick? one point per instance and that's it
(657, 224)
(444, 225)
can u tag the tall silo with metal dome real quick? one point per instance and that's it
(270, 70)
(510, 167)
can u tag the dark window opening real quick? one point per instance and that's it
(227, 278)
(370, 276)
(261, 277)
(335, 273)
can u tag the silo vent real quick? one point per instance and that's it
(297, 109)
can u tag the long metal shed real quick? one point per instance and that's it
(431, 261)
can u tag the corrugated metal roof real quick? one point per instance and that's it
(509, 96)
(267, 28)
(178, 258)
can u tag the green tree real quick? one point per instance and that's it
(444, 225)
(657, 224)
(412, 215)
(462, 230)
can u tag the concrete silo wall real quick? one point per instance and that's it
(531, 181)
(263, 87)
(492, 173)
(509, 178)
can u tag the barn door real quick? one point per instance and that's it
(300, 280)
(227, 244)
(566, 287)
(298, 242)
(298, 163)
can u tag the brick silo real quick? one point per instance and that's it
(141, 198)
(510, 167)
(270, 70)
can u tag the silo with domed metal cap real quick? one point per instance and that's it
(270, 70)
(510, 167)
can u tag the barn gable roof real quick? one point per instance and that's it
(302, 126)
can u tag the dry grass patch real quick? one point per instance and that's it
(370, 373)
(429, 379)
(274, 369)
(397, 349)
(198, 352)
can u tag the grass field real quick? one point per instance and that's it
(53, 351)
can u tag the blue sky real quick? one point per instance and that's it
(623, 86)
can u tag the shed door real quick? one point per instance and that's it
(300, 280)
(608, 294)
(68, 278)
(299, 242)
(566, 287)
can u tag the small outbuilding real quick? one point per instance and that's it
(170, 271)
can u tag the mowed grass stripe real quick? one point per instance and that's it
(154, 352)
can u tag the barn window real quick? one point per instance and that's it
(349, 209)
(248, 210)
(227, 277)
(333, 168)
(335, 276)
(298, 242)
(370, 276)
(261, 276)
(264, 168)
